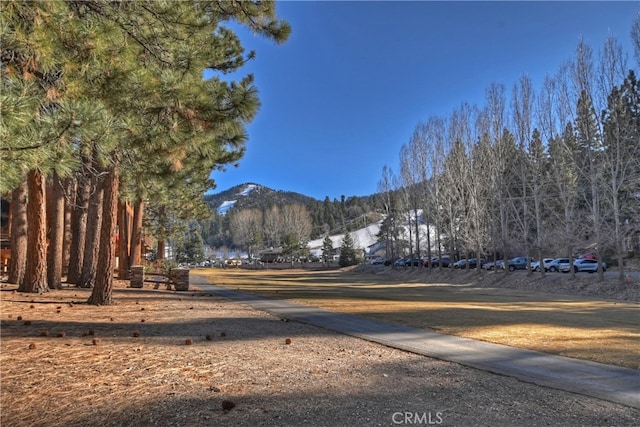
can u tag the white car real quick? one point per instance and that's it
(588, 265)
(535, 265)
(557, 264)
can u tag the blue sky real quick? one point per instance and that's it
(348, 88)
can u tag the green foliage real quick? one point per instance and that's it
(327, 249)
(190, 248)
(347, 252)
(292, 247)
(122, 81)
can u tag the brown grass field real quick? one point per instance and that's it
(166, 358)
(606, 331)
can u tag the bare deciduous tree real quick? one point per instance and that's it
(522, 111)
(297, 222)
(246, 228)
(272, 226)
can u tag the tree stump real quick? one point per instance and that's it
(137, 276)
(180, 278)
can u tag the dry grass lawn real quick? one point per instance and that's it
(606, 331)
(166, 358)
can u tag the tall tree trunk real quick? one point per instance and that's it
(136, 241)
(35, 279)
(102, 291)
(539, 233)
(503, 235)
(417, 230)
(567, 231)
(18, 262)
(618, 237)
(94, 220)
(597, 228)
(123, 241)
(161, 248)
(79, 228)
(162, 238)
(56, 236)
(429, 252)
(68, 231)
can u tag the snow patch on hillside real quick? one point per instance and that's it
(362, 239)
(225, 206)
(228, 204)
(365, 238)
(248, 189)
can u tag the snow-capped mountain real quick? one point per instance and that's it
(228, 204)
(253, 195)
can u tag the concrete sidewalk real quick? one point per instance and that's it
(612, 383)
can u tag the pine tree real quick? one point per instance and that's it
(589, 161)
(35, 277)
(328, 214)
(18, 261)
(132, 85)
(621, 124)
(347, 252)
(327, 249)
(56, 239)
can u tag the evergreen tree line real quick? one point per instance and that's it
(552, 172)
(107, 121)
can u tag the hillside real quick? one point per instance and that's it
(363, 238)
(251, 195)
(328, 217)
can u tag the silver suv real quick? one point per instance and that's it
(558, 264)
(588, 265)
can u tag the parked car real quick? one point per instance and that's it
(415, 262)
(461, 263)
(446, 261)
(378, 261)
(391, 261)
(519, 263)
(400, 262)
(408, 261)
(435, 261)
(535, 266)
(498, 265)
(557, 263)
(428, 261)
(473, 263)
(588, 265)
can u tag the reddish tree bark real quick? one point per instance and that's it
(56, 236)
(18, 262)
(35, 279)
(92, 237)
(103, 289)
(69, 201)
(161, 239)
(136, 241)
(79, 228)
(161, 248)
(123, 242)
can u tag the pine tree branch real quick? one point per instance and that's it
(42, 144)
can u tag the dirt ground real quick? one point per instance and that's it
(166, 358)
